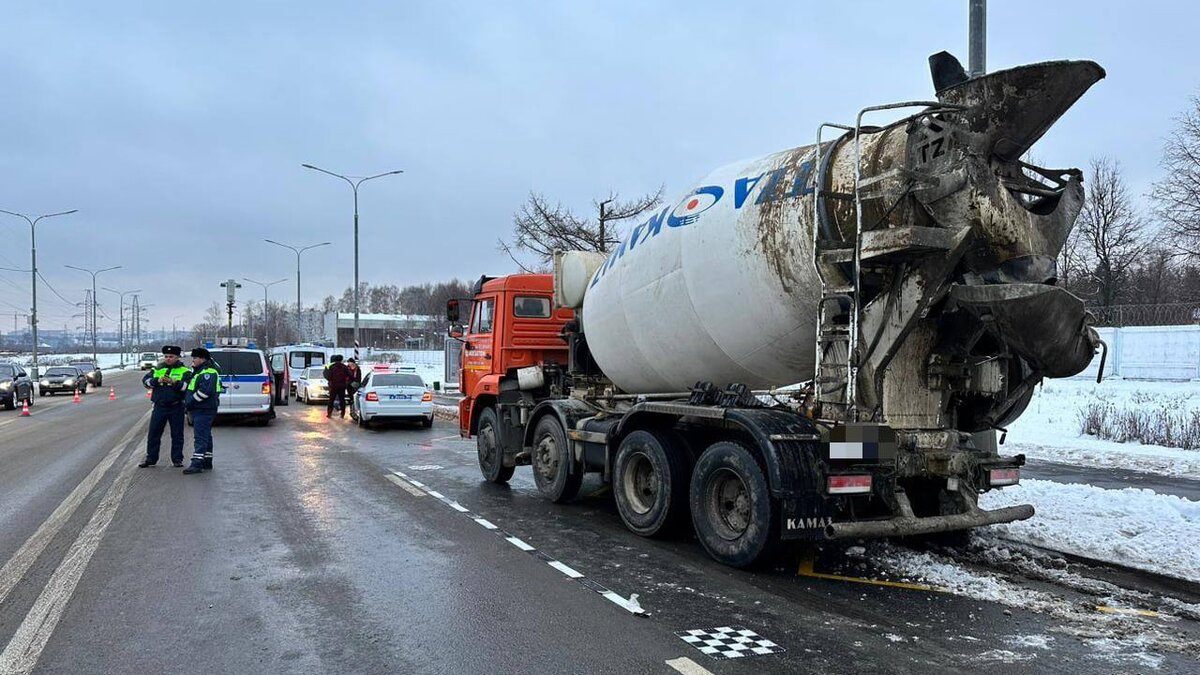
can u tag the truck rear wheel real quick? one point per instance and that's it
(731, 505)
(651, 480)
(551, 460)
(491, 453)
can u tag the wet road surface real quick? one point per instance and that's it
(319, 547)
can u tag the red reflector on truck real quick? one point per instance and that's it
(998, 477)
(849, 485)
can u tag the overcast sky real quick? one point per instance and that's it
(179, 128)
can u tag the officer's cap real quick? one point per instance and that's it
(201, 352)
(172, 349)
(336, 358)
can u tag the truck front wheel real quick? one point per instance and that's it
(650, 482)
(731, 505)
(551, 462)
(491, 452)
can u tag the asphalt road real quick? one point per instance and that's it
(305, 552)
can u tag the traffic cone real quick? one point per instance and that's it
(76, 399)
(112, 393)
(25, 408)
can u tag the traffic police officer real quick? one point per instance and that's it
(167, 384)
(203, 397)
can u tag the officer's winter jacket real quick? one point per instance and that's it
(204, 389)
(166, 395)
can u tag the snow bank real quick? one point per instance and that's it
(1049, 428)
(1132, 527)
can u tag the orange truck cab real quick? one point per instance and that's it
(513, 325)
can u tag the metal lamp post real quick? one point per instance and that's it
(354, 183)
(33, 271)
(297, 251)
(265, 286)
(94, 274)
(121, 318)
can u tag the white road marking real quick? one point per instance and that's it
(565, 569)
(628, 605)
(416, 482)
(25, 648)
(688, 667)
(486, 523)
(404, 485)
(23, 559)
(516, 541)
(437, 495)
(458, 507)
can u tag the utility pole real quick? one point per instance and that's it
(977, 37)
(298, 251)
(603, 217)
(354, 186)
(121, 320)
(134, 325)
(265, 286)
(230, 287)
(92, 305)
(34, 274)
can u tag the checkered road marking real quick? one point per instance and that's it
(729, 642)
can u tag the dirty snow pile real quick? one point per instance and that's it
(1133, 527)
(1049, 429)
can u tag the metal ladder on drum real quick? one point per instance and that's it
(828, 252)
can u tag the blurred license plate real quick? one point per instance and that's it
(398, 397)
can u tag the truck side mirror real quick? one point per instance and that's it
(452, 311)
(456, 334)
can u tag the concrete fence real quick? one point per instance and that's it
(1150, 353)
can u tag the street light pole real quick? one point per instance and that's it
(353, 186)
(265, 286)
(33, 271)
(298, 251)
(94, 303)
(121, 319)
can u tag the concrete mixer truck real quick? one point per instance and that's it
(821, 343)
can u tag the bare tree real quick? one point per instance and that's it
(1177, 196)
(541, 227)
(1111, 231)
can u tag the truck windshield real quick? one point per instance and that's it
(306, 359)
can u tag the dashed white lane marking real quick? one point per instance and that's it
(516, 541)
(630, 605)
(688, 667)
(404, 485)
(569, 571)
(26, 645)
(23, 559)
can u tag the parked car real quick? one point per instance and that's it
(246, 384)
(387, 394)
(312, 387)
(63, 379)
(148, 360)
(95, 376)
(15, 386)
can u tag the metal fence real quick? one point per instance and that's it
(1168, 314)
(1149, 353)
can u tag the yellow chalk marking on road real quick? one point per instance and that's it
(1127, 610)
(806, 570)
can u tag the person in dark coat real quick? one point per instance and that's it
(203, 399)
(337, 376)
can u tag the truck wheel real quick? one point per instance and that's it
(551, 461)
(731, 505)
(650, 481)
(491, 453)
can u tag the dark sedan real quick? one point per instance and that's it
(63, 379)
(95, 376)
(15, 386)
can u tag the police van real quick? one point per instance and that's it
(247, 383)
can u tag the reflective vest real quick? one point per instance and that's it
(205, 371)
(175, 373)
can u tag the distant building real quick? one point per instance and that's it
(384, 331)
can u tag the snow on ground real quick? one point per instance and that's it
(106, 361)
(1132, 527)
(1049, 428)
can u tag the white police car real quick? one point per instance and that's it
(246, 381)
(392, 393)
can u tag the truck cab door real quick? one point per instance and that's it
(478, 358)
